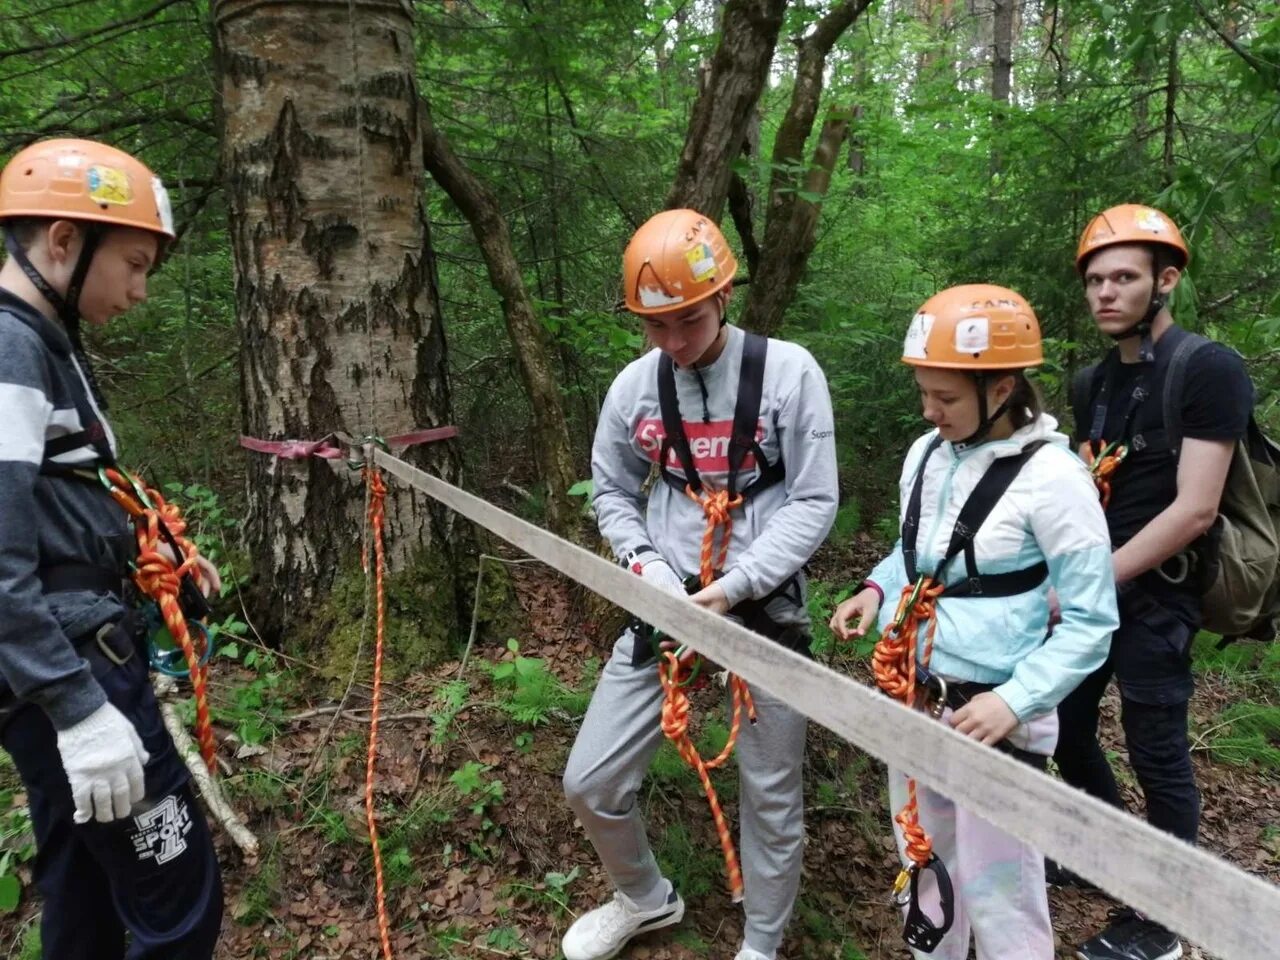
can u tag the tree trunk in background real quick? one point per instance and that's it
(550, 440)
(335, 293)
(1170, 106)
(1002, 50)
(795, 194)
(722, 112)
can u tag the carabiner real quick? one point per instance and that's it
(906, 605)
(918, 930)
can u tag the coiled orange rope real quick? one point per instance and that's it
(894, 664)
(377, 493)
(160, 578)
(716, 506)
(1103, 465)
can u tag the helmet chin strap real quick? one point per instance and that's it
(985, 422)
(1146, 347)
(66, 305)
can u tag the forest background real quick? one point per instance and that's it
(399, 214)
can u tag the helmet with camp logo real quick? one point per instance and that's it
(1131, 223)
(977, 326)
(88, 181)
(676, 259)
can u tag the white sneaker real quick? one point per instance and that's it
(600, 933)
(746, 953)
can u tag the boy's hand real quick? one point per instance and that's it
(712, 598)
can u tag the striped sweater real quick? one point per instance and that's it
(47, 520)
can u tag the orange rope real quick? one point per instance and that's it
(894, 664)
(716, 506)
(377, 495)
(1101, 468)
(160, 578)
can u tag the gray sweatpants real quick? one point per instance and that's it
(619, 736)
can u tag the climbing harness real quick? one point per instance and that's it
(742, 439)
(900, 662)
(717, 507)
(171, 582)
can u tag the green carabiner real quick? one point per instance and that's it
(912, 600)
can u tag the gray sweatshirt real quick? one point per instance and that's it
(776, 531)
(49, 520)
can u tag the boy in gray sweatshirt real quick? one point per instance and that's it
(674, 411)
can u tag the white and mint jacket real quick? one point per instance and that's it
(1050, 512)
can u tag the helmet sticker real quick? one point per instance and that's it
(1151, 220)
(973, 335)
(657, 297)
(109, 185)
(163, 206)
(702, 263)
(915, 346)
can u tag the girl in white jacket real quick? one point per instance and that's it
(992, 673)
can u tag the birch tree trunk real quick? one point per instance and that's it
(336, 298)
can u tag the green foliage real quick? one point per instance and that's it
(1246, 733)
(17, 839)
(531, 693)
(256, 708)
(695, 869)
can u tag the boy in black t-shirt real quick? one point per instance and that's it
(1159, 502)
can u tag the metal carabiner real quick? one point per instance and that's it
(906, 605)
(918, 930)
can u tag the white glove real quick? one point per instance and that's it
(103, 756)
(659, 573)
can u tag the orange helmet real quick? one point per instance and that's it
(978, 326)
(84, 180)
(1130, 223)
(677, 258)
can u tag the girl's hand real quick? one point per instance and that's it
(863, 607)
(986, 718)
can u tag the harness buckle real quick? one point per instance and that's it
(919, 930)
(103, 640)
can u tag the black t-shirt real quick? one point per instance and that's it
(1217, 401)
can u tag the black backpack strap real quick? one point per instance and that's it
(673, 428)
(1175, 383)
(746, 418)
(1080, 396)
(973, 514)
(911, 521)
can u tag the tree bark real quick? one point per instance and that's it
(790, 237)
(1170, 109)
(1002, 50)
(336, 293)
(550, 441)
(739, 71)
(795, 195)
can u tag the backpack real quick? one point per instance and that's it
(1237, 562)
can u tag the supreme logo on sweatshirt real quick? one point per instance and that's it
(708, 442)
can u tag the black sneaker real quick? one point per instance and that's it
(1056, 875)
(1131, 937)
